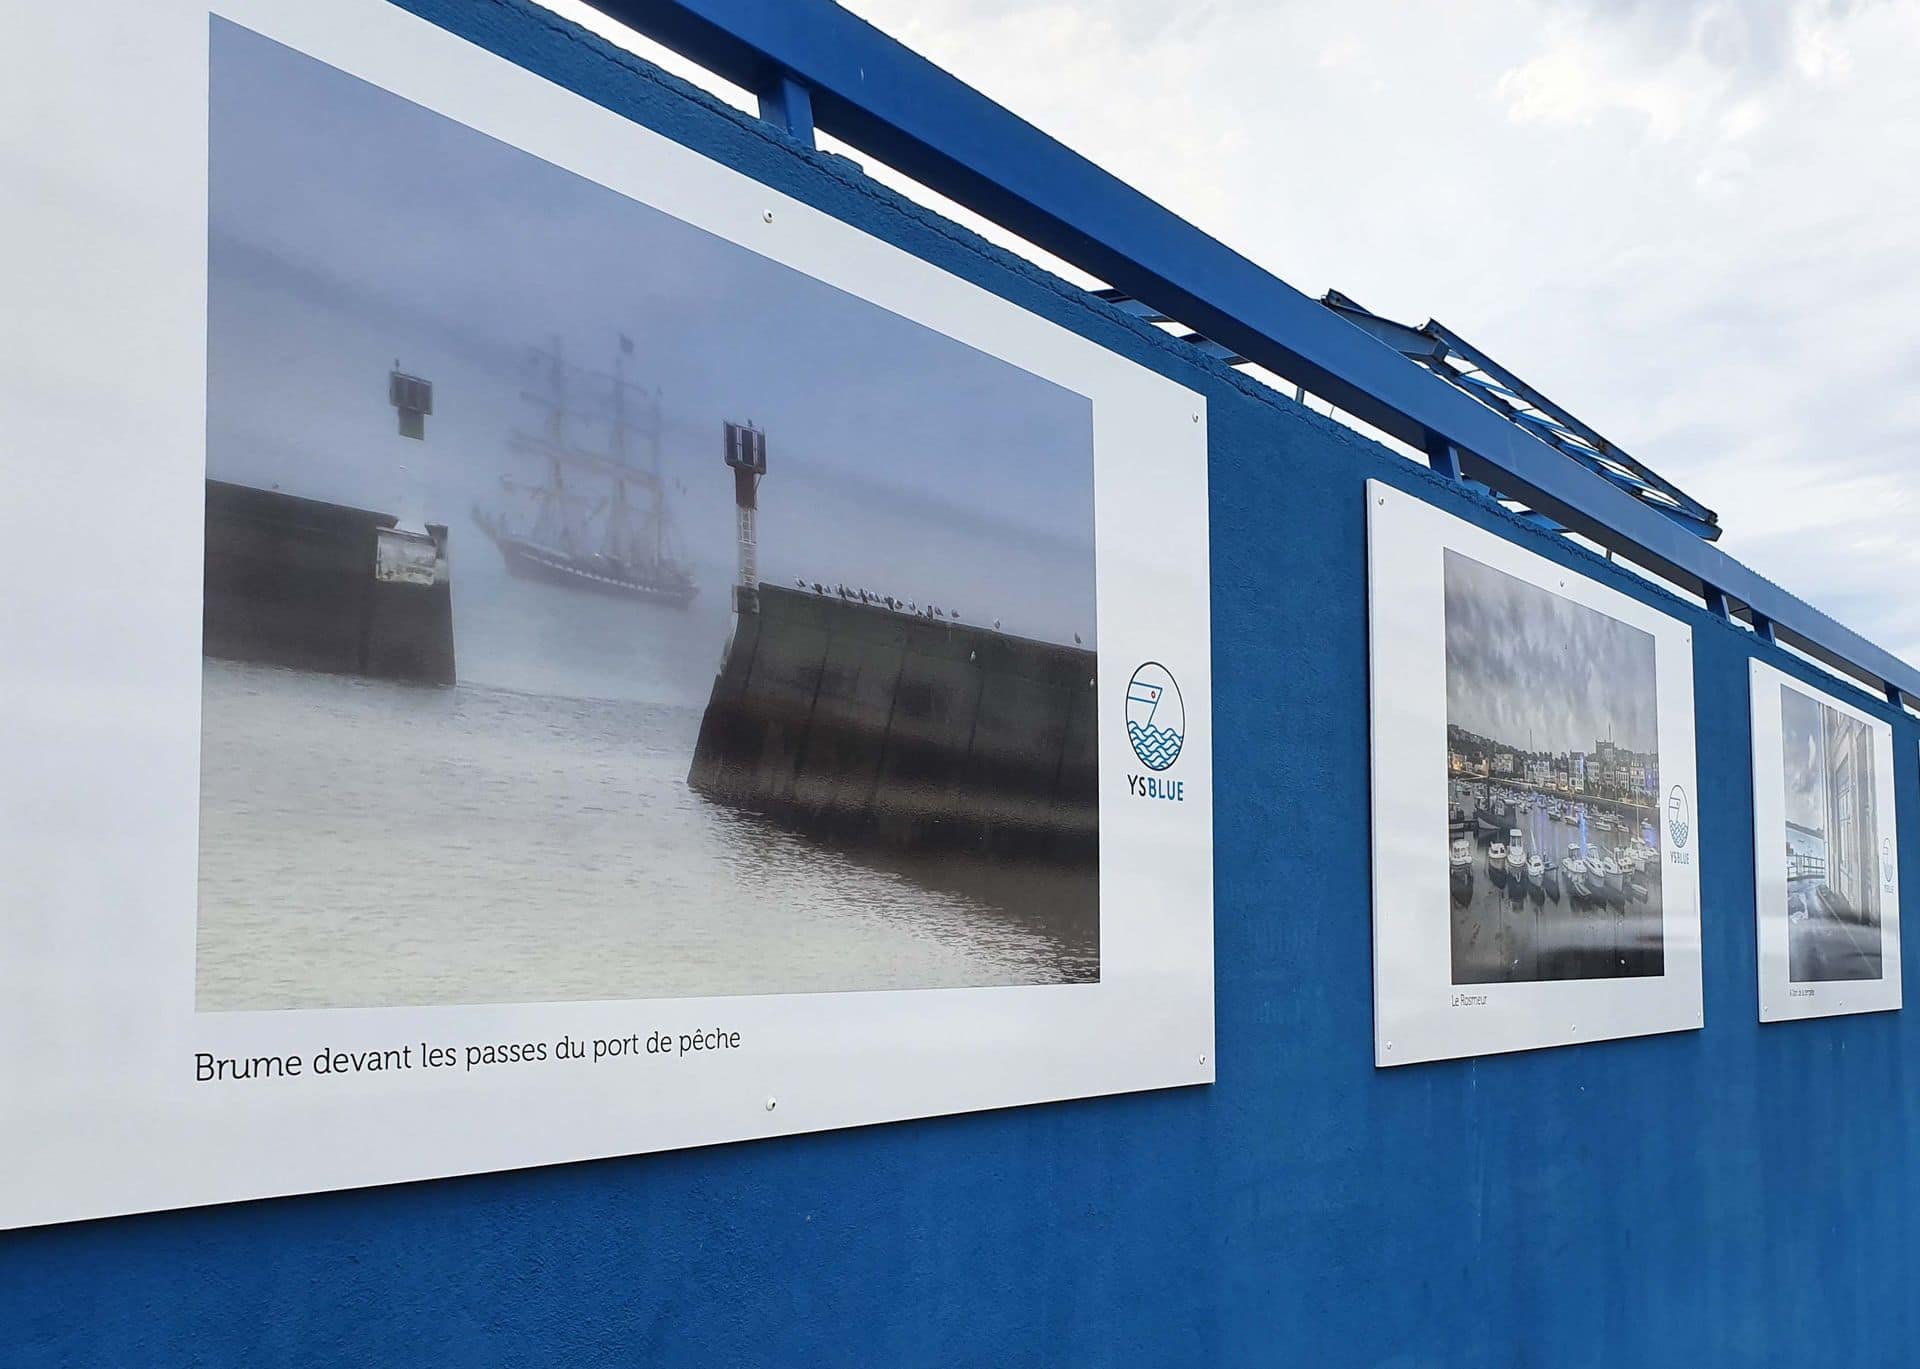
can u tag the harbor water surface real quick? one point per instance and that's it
(366, 843)
(1506, 932)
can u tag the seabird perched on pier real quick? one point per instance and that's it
(1076, 639)
(996, 624)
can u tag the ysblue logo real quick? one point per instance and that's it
(1156, 717)
(1679, 817)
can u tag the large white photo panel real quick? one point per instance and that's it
(558, 650)
(1826, 853)
(1535, 848)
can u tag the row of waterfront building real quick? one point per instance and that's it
(1607, 771)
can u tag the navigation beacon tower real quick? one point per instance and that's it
(746, 452)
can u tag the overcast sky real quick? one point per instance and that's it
(1537, 672)
(1692, 222)
(351, 230)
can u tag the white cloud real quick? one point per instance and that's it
(1694, 222)
(1573, 83)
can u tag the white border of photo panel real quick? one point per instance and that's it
(107, 165)
(1418, 1013)
(1781, 1000)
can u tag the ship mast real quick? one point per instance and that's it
(554, 498)
(619, 547)
(620, 540)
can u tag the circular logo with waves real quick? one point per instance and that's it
(1156, 717)
(1679, 816)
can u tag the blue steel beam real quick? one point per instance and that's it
(881, 96)
(1510, 396)
(788, 105)
(1460, 347)
(1407, 341)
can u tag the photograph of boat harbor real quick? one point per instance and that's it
(1834, 851)
(1553, 784)
(598, 609)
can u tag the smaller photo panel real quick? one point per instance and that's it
(1534, 846)
(1825, 852)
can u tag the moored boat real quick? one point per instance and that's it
(1580, 878)
(1635, 872)
(1460, 870)
(1611, 887)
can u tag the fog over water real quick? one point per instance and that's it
(529, 834)
(366, 843)
(351, 230)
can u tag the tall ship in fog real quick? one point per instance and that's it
(595, 516)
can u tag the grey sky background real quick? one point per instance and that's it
(350, 229)
(1803, 749)
(1527, 666)
(1693, 222)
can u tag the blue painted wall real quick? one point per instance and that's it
(1733, 1196)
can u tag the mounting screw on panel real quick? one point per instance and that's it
(766, 216)
(772, 1103)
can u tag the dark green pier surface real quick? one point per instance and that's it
(296, 582)
(863, 723)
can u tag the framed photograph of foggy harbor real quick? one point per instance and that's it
(607, 656)
(1826, 873)
(599, 609)
(1535, 847)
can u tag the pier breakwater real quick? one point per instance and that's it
(863, 724)
(318, 586)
